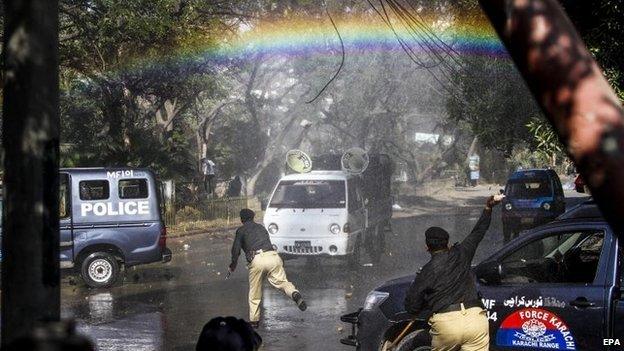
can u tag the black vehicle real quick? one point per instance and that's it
(557, 287)
(532, 197)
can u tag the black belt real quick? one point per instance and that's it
(457, 306)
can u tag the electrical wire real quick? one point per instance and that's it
(342, 61)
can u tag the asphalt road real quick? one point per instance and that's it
(163, 307)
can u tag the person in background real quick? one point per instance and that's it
(262, 261)
(234, 188)
(208, 170)
(446, 289)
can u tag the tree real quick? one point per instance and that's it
(30, 237)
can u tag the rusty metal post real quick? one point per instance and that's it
(571, 90)
(30, 136)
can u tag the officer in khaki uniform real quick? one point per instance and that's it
(263, 261)
(446, 288)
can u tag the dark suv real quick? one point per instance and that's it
(533, 197)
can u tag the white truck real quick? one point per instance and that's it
(331, 212)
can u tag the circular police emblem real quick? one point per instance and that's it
(534, 328)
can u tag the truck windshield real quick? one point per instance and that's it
(309, 194)
(528, 188)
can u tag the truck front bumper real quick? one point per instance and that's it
(338, 245)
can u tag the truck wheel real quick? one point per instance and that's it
(100, 270)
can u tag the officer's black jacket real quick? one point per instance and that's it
(250, 237)
(447, 278)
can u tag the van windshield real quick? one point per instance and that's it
(528, 188)
(309, 194)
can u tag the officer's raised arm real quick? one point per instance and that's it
(470, 243)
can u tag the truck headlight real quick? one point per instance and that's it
(273, 228)
(508, 207)
(334, 228)
(375, 298)
(546, 206)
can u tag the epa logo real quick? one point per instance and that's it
(611, 342)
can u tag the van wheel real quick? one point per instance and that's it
(100, 270)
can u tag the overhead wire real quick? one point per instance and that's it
(342, 61)
(417, 25)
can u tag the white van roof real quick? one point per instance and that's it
(318, 175)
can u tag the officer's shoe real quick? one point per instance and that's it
(296, 296)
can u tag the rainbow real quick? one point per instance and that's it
(306, 37)
(362, 34)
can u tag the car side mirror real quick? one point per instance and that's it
(489, 273)
(263, 205)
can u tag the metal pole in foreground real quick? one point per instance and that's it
(571, 90)
(30, 137)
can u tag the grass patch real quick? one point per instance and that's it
(202, 226)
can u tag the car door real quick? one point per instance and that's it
(65, 221)
(551, 293)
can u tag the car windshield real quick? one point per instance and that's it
(528, 189)
(309, 194)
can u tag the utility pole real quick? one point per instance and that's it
(30, 137)
(571, 90)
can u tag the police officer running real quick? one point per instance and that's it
(263, 261)
(446, 288)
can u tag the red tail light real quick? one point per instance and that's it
(162, 241)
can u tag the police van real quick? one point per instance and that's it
(110, 218)
(558, 287)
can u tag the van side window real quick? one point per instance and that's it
(94, 190)
(564, 257)
(133, 189)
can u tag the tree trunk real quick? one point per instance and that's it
(30, 238)
(113, 112)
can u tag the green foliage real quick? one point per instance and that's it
(237, 146)
(130, 79)
(601, 24)
(546, 140)
(494, 102)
